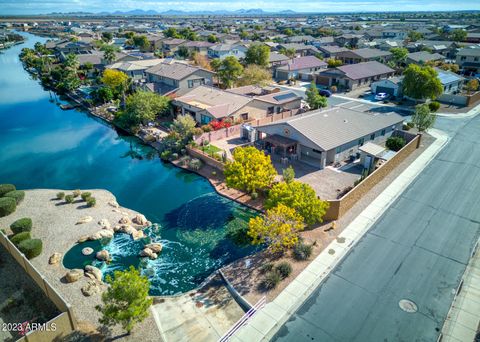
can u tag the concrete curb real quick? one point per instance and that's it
(471, 113)
(266, 322)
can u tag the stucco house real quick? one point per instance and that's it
(363, 55)
(300, 68)
(136, 69)
(469, 59)
(323, 137)
(391, 86)
(222, 51)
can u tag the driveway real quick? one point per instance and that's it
(415, 253)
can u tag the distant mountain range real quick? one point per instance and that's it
(139, 12)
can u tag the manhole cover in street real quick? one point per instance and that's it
(408, 306)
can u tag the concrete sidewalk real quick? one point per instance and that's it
(463, 320)
(266, 322)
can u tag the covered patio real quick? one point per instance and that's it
(277, 145)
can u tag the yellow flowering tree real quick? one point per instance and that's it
(250, 170)
(298, 196)
(278, 228)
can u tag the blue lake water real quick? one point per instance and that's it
(42, 146)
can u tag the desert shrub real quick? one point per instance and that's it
(174, 156)
(254, 195)
(271, 280)
(410, 124)
(406, 127)
(17, 195)
(76, 193)
(165, 155)
(4, 188)
(284, 269)
(69, 198)
(60, 195)
(302, 251)
(266, 267)
(86, 195)
(17, 238)
(195, 164)
(91, 201)
(434, 106)
(31, 248)
(21, 225)
(333, 89)
(395, 143)
(7, 206)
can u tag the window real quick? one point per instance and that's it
(205, 119)
(383, 132)
(372, 136)
(338, 150)
(244, 116)
(190, 83)
(361, 141)
(316, 151)
(463, 58)
(270, 110)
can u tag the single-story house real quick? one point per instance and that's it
(324, 137)
(363, 55)
(422, 57)
(469, 59)
(331, 51)
(170, 46)
(277, 59)
(300, 49)
(300, 68)
(352, 76)
(176, 77)
(207, 104)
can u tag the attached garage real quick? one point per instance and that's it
(392, 86)
(386, 90)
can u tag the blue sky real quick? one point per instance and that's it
(48, 6)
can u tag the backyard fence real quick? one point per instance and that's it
(65, 323)
(339, 207)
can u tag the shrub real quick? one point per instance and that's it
(21, 225)
(395, 143)
(254, 195)
(284, 269)
(266, 267)
(69, 198)
(406, 127)
(17, 238)
(165, 155)
(434, 106)
(4, 188)
(174, 156)
(76, 193)
(86, 195)
(31, 248)
(7, 206)
(60, 195)
(195, 164)
(302, 251)
(17, 195)
(333, 89)
(271, 280)
(410, 124)
(91, 201)
(237, 231)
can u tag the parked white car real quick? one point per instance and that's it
(382, 96)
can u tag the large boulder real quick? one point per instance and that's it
(148, 253)
(83, 238)
(55, 258)
(104, 233)
(155, 247)
(138, 234)
(84, 219)
(140, 219)
(113, 203)
(90, 288)
(94, 271)
(124, 220)
(105, 224)
(87, 251)
(103, 255)
(127, 229)
(73, 275)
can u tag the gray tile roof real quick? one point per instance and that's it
(368, 53)
(175, 70)
(328, 129)
(364, 70)
(424, 56)
(305, 62)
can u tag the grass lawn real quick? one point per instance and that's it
(210, 149)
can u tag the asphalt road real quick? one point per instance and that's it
(417, 250)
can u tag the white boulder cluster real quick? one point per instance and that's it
(151, 250)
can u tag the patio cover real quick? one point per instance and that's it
(278, 140)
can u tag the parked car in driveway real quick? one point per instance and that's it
(325, 92)
(382, 96)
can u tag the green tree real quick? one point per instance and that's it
(314, 99)
(126, 300)
(458, 35)
(141, 42)
(255, 75)
(413, 36)
(105, 94)
(183, 52)
(333, 63)
(184, 126)
(107, 36)
(229, 71)
(251, 170)
(144, 106)
(288, 174)
(289, 32)
(212, 38)
(258, 54)
(298, 196)
(117, 81)
(243, 34)
(290, 52)
(279, 228)
(399, 55)
(423, 118)
(109, 53)
(187, 33)
(472, 85)
(171, 32)
(421, 82)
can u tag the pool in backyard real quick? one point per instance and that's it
(42, 146)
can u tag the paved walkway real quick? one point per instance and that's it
(463, 320)
(266, 322)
